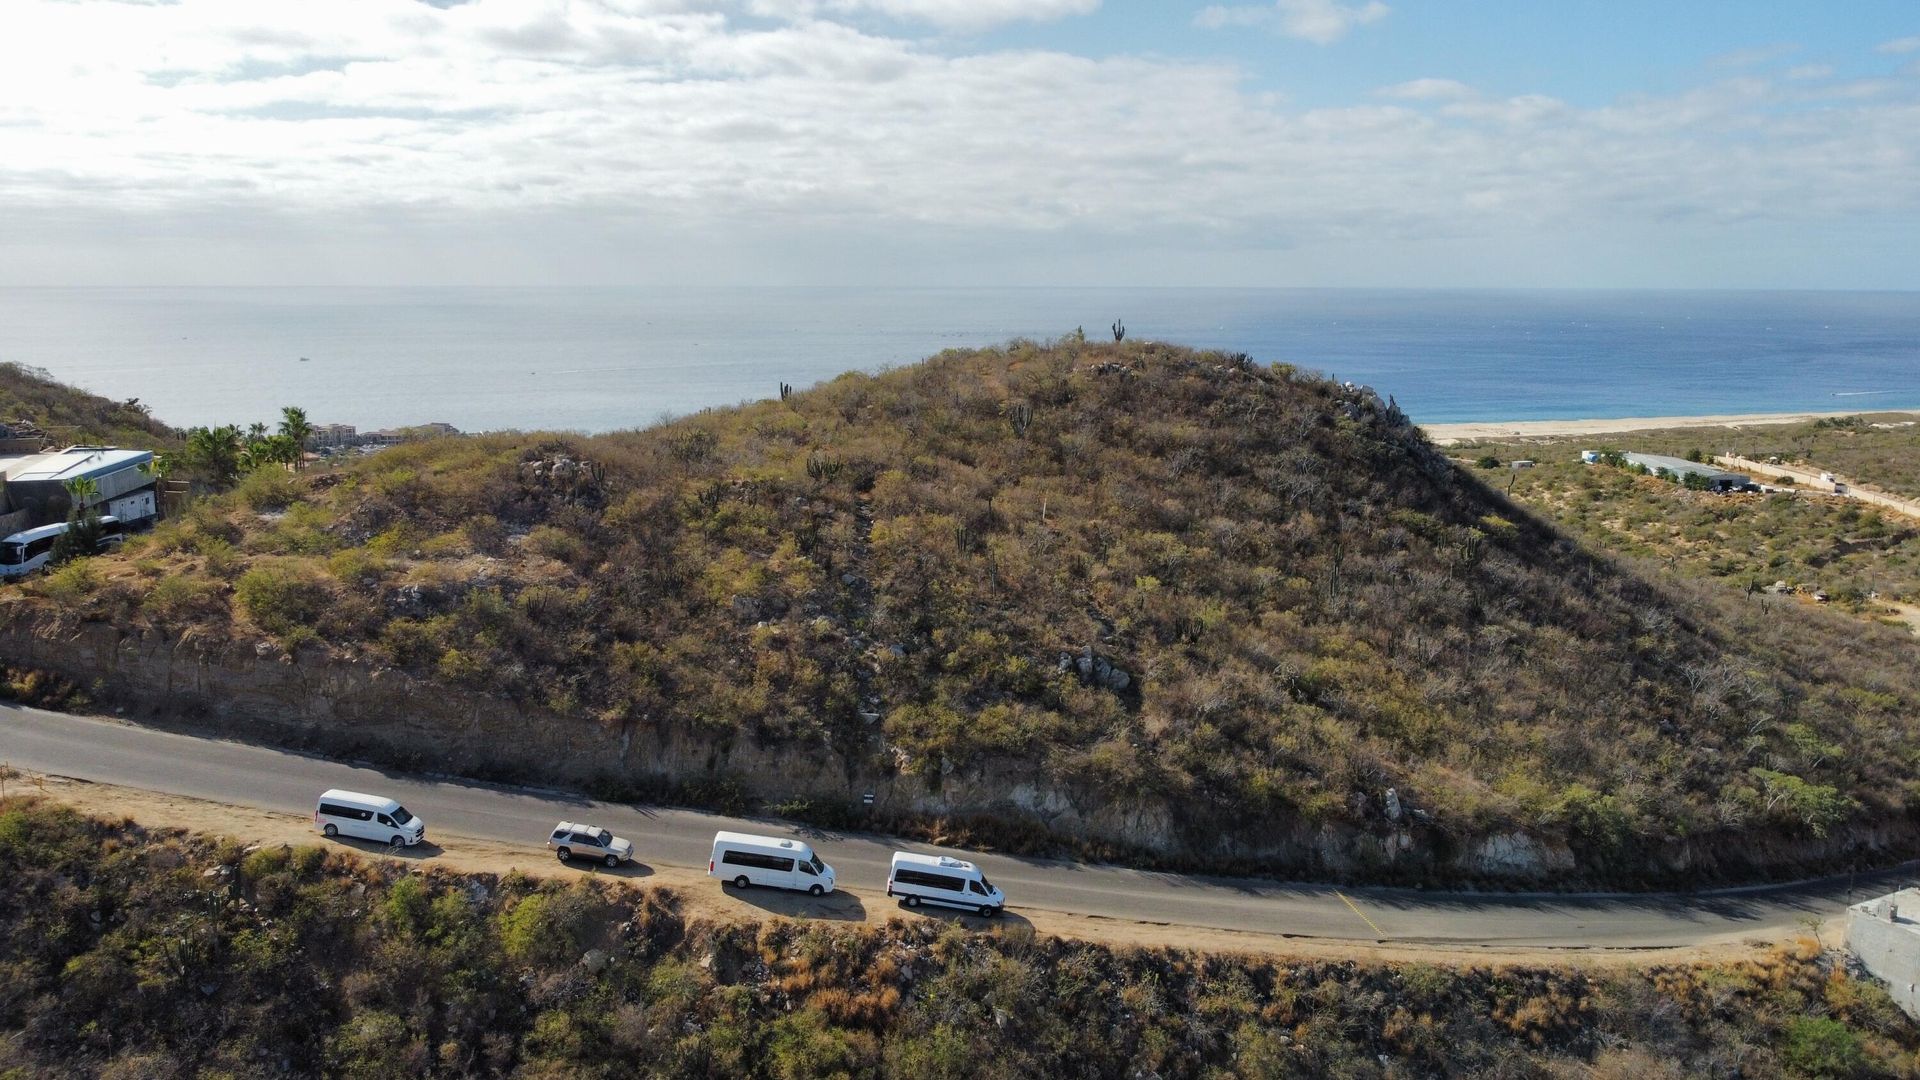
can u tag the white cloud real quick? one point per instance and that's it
(1426, 90)
(1322, 22)
(610, 126)
(950, 14)
(1899, 46)
(1808, 72)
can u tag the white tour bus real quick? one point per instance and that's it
(768, 860)
(941, 879)
(367, 817)
(24, 552)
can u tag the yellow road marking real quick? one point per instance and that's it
(1362, 914)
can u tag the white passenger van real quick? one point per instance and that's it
(941, 879)
(367, 817)
(768, 860)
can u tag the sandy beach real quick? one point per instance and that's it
(1448, 434)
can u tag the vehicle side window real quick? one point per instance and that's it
(974, 886)
(930, 881)
(580, 838)
(805, 869)
(363, 815)
(559, 834)
(754, 859)
(385, 820)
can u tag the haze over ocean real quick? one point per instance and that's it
(598, 359)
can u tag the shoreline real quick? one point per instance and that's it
(1450, 434)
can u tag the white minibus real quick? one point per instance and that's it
(941, 879)
(768, 860)
(367, 817)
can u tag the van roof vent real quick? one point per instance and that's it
(786, 843)
(948, 860)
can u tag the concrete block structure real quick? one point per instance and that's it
(1884, 935)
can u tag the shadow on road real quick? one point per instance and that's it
(1006, 920)
(841, 906)
(425, 849)
(631, 869)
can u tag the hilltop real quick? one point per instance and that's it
(1169, 604)
(67, 416)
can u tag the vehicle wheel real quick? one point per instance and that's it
(816, 890)
(741, 882)
(565, 853)
(329, 831)
(988, 911)
(913, 901)
(399, 841)
(611, 861)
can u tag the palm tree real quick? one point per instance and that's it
(294, 425)
(214, 453)
(80, 489)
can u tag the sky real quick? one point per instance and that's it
(1380, 143)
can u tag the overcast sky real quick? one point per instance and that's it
(1729, 143)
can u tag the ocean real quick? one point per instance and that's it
(598, 359)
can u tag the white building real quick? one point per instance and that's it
(1884, 935)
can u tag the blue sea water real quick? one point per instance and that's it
(602, 359)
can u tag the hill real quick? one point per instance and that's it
(128, 952)
(1172, 604)
(66, 416)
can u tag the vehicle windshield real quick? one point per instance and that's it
(400, 815)
(11, 554)
(987, 885)
(815, 866)
(603, 838)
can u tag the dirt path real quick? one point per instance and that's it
(1763, 472)
(702, 897)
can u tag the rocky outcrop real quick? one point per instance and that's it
(311, 699)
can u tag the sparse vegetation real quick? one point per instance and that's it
(1245, 599)
(133, 952)
(69, 416)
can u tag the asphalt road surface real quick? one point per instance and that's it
(107, 751)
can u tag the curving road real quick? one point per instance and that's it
(111, 752)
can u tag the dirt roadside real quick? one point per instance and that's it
(703, 898)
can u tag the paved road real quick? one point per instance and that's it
(107, 751)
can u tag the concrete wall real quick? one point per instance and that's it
(1884, 935)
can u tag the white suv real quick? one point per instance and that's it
(570, 838)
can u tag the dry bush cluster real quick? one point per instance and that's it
(127, 952)
(1134, 573)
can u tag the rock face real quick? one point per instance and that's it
(1095, 670)
(310, 700)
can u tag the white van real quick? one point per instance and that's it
(941, 879)
(367, 817)
(768, 860)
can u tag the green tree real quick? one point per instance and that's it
(294, 426)
(82, 537)
(213, 454)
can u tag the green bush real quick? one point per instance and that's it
(268, 488)
(283, 597)
(1819, 1046)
